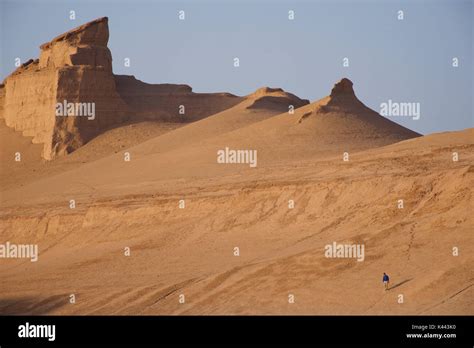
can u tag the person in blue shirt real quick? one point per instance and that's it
(385, 280)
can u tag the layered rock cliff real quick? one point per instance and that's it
(70, 94)
(74, 69)
(170, 102)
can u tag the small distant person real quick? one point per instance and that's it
(386, 281)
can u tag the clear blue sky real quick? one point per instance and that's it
(406, 61)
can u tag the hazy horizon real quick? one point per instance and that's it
(407, 60)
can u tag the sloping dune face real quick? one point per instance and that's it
(336, 125)
(150, 134)
(243, 244)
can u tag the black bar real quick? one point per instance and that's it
(288, 330)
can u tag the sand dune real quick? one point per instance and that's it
(336, 124)
(32, 167)
(190, 251)
(120, 139)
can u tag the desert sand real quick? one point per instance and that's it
(157, 234)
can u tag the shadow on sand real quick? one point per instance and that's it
(32, 305)
(399, 284)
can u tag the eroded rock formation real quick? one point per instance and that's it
(275, 98)
(170, 102)
(75, 69)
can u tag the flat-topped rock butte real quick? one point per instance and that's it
(77, 67)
